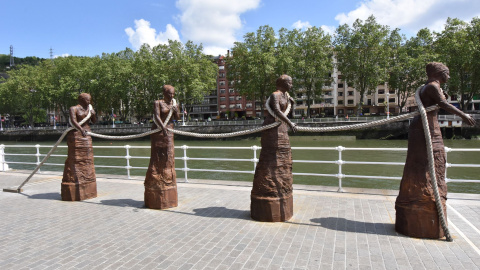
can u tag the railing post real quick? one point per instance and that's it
(38, 156)
(255, 159)
(127, 157)
(2, 158)
(185, 158)
(340, 162)
(446, 162)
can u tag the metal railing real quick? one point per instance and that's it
(240, 122)
(4, 162)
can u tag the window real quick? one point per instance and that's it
(222, 99)
(239, 97)
(381, 91)
(249, 105)
(221, 83)
(369, 102)
(350, 93)
(221, 67)
(391, 91)
(328, 101)
(381, 100)
(231, 99)
(298, 112)
(340, 111)
(239, 106)
(299, 102)
(223, 106)
(350, 101)
(328, 93)
(340, 85)
(231, 90)
(232, 106)
(391, 100)
(221, 75)
(340, 94)
(340, 102)
(222, 91)
(340, 77)
(350, 111)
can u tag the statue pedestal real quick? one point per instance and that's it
(79, 191)
(271, 209)
(418, 221)
(161, 198)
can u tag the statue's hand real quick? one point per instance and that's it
(469, 120)
(84, 132)
(294, 127)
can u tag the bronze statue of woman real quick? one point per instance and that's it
(416, 212)
(161, 179)
(271, 196)
(79, 181)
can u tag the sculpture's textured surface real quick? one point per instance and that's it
(271, 196)
(161, 178)
(416, 212)
(79, 181)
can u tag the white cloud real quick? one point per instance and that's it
(412, 15)
(301, 25)
(329, 29)
(214, 23)
(63, 55)
(143, 33)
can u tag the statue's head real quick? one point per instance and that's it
(84, 98)
(168, 91)
(438, 70)
(284, 81)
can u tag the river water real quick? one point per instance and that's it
(298, 155)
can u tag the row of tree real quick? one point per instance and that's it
(366, 53)
(127, 81)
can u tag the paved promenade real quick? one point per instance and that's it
(211, 229)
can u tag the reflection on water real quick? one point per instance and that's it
(296, 141)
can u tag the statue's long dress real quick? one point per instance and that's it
(416, 212)
(79, 181)
(271, 196)
(161, 179)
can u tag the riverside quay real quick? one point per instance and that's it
(211, 229)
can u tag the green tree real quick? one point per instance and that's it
(407, 61)
(456, 49)
(251, 67)
(361, 54)
(312, 62)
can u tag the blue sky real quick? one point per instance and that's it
(89, 28)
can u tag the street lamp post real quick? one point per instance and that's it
(388, 104)
(183, 114)
(1, 123)
(113, 120)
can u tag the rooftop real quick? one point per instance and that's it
(211, 229)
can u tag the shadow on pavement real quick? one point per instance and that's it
(124, 203)
(345, 225)
(222, 212)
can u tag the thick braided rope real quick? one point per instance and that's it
(272, 113)
(135, 136)
(55, 146)
(431, 166)
(237, 133)
(365, 125)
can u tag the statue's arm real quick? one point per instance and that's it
(73, 120)
(275, 105)
(157, 110)
(437, 95)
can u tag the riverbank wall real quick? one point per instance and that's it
(396, 130)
